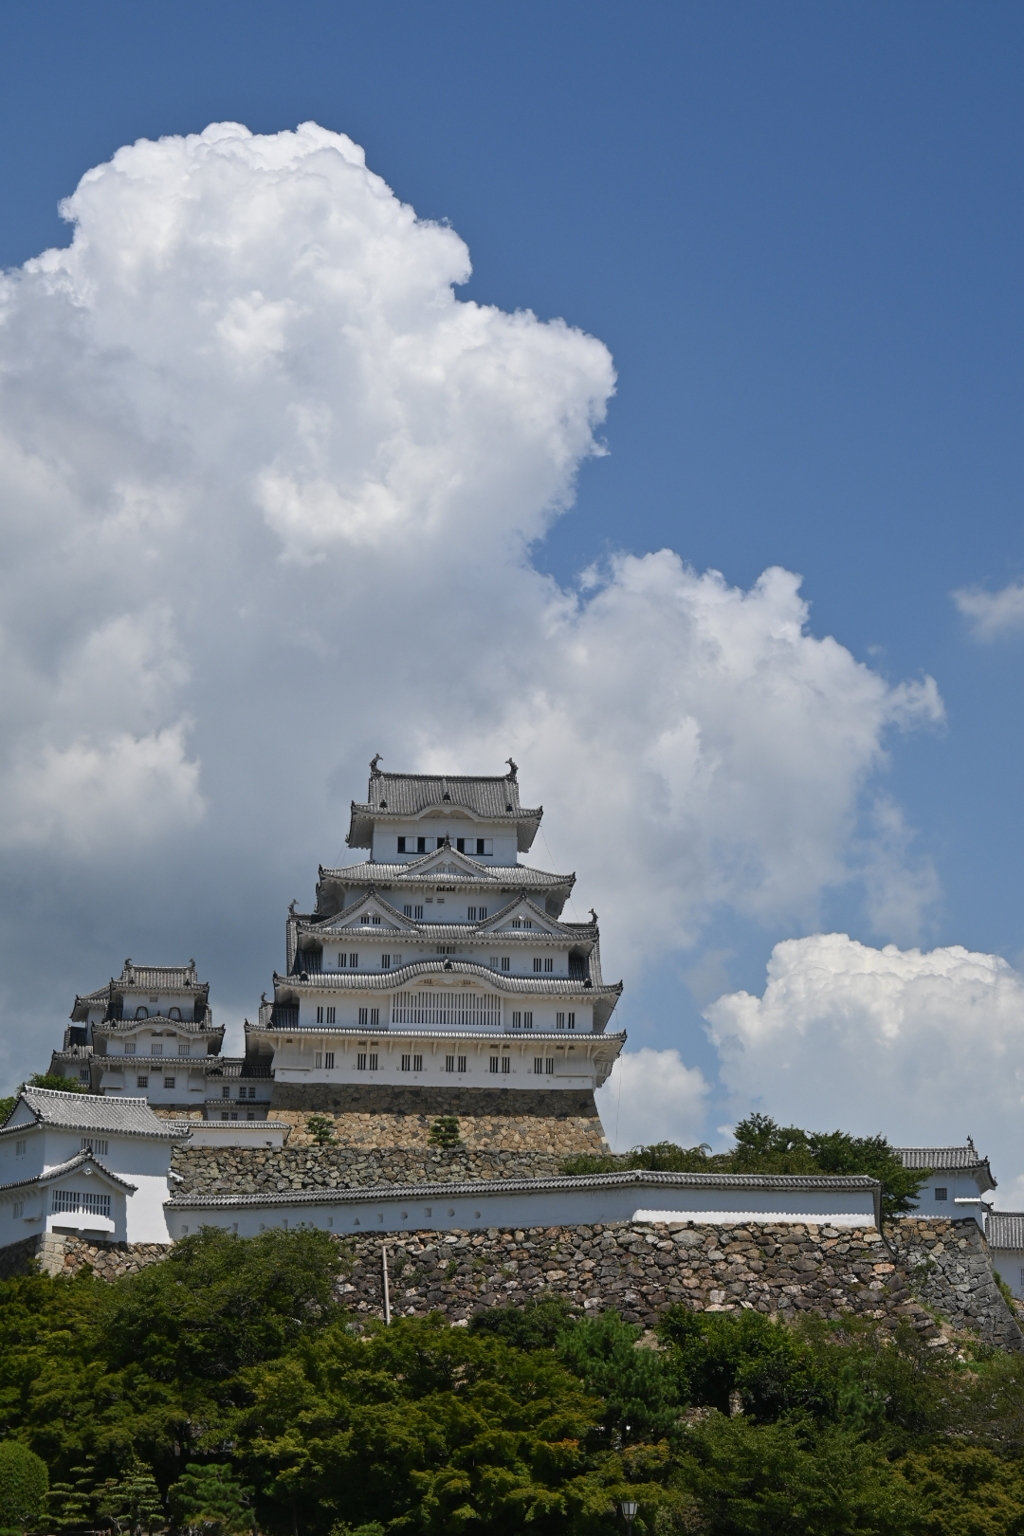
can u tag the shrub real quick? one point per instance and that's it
(24, 1484)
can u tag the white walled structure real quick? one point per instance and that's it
(634, 1195)
(150, 1033)
(1005, 1233)
(957, 1178)
(91, 1166)
(440, 962)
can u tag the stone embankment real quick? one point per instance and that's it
(786, 1271)
(490, 1119)
(935, 1275)
(262, 1170)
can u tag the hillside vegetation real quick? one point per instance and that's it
(226, 1389)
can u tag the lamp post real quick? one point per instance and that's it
(629, 1508)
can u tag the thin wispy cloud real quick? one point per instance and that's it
(992, 615)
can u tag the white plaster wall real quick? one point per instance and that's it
(957, 1186)
(1010, 1264)
(296, 1063)
(540, 1208)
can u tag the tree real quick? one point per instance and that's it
(54, 1080)
(445, 1132)
(24, 1483)
(321, 1128)
(210, 1499)
(131, 1500)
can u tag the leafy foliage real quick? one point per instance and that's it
(445, 1132)
(321, 1128)
(225, 1390)
(24, 1482)
(762, 1146)
(55, 1080)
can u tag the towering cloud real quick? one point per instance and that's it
(268, 488)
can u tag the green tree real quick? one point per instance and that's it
(55, 1080)
(210, 1499)
(321, 1128)
(445, 1132)
(131, 1500)
(24, 1483)
(638, 1385)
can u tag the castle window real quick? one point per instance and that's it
(342, 961)
(376, 918)
(460, 845)
(417, 1063)
(493, 962)
(365, 917)
(549, 963)
(941, 1194)
(320, 1015)
(142, 1013)
(142, 1081)
(174, 1013)
(96, 1146)
(129, 1047)
(538, 1064)
(396, 959)
(537, 964)
(446, 949)
(329, 1061)
(484, 846)
(353, 962)
(418, 913)
(331, 1015)
(572, 1021)
(83, 1074)
(449, 1063)
(385, 962)
(374, 1018)
(505, 962)
(156, 1050)
(517, 1021)
(421, 845)
(225, 1093)
(373, 1061)
(407, 909)
(471, 914)
(401, 845)
(363, 1017)
(406, 1063)
(19, 1149)
(18, 1209)
(506, 1063)
(252, 1093)
(559, 1020)
(169, 1082)
(494, 1063)
(549, 1064)
(184, 1047)
(528, 1019)
(481, 913)
(318, 1059)
(361, 1061)
(462, 1064)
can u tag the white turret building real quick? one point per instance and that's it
(440, 961)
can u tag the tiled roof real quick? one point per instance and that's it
(60, 1169)
(402, 975)
(1005, 1229)
(370, 872)
(406, 794)
(939, 1157)
(93, 1112)
(780, 1183)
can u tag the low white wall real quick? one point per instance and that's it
(235, 1133)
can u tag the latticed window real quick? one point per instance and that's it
(66, 1200)
(549, 1064)
(462, 1064)
(446, 1010)
(549, 963)
(328, 1060)
(449, 1063)
(331, 1015)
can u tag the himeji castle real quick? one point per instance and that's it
(440, 961)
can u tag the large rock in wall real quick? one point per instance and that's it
(490, 1119)
(935, 1272)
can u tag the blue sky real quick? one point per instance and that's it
(797, 230)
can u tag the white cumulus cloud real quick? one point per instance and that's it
(267, 492)
(925, 1047)
(992, 615)
(653, 1096)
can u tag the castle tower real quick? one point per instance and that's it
(439, 977)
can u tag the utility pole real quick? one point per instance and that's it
(387, 1293)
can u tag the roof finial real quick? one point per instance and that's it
(513, 768)
(263, 998)
(593, 917)
(374, 760)
(292, 905)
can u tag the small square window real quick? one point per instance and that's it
(342, 961)
(156, 1050)
(941, 1193)
(129, 1047)
(169, 1082)
(252, 1093)
(481, 913)
(142, 1081)
(493, 962)
(385, 962)
(18, 1208)
(365, 917)
(83, 1074)
(460, 845)
(225, 1093)
(517, 1021)
(225, 1115)
(376, 919)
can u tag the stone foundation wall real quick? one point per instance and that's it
(490, 1119)
(298, 1165)
(935, 1275)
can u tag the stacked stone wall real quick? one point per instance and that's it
(269, 1171)
(560, 1123)
(934, 1275)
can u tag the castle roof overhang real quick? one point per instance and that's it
(86, 1112)
(136, 980)
(965, 1160)
(549, 928)
(1005, 1229)
(414, 796)
(84, 1161)
(600, 1045)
